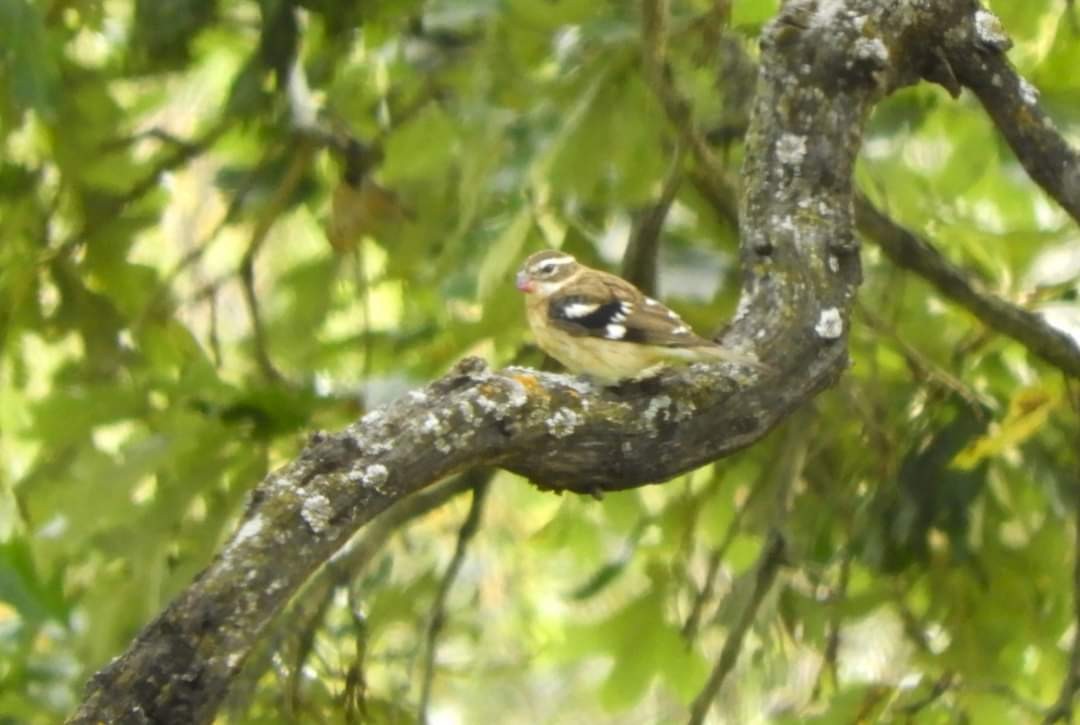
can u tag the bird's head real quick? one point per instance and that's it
(545, 272)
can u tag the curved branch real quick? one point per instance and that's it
(823, 68)
(919, 255)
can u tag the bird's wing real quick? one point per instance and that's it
(608, 307)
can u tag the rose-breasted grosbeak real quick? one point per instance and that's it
(602, 326)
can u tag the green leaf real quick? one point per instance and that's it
(423, 147)
(34, 597)
(752, 12)
(28, 62)
(503, 252)
(547, 15)
(642, 647)
(1028, 412)
(163, 32)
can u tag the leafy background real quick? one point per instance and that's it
(175, 320)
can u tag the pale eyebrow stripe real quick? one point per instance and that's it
(557, 261)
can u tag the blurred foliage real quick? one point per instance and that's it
(174, 321)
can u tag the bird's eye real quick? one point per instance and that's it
(546, 269)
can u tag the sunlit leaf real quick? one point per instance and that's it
(1028, 411)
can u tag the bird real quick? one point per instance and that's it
(601, 326)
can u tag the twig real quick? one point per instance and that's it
(438, 608)
(768, 564)
(719, 191)
(354, 696)
(363, 288)
(704, 595)
(182, 154)
(305, 644)
(716, 558)
(941, 685)
(1006, 692)
(676, 107)
(1062, 709)
(156, 133)
(832, 637)
(788, 468)
(924, 368)
(197, 252)
(639, 260)
(274, 208)
(914, 629)
(214, 334)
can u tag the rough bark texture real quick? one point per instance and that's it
(824, 65)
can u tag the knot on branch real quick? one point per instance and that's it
(468, 370)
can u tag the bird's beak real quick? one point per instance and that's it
(523, 283)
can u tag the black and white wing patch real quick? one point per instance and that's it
(584, 316)
(650, 323)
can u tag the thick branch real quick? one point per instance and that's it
(919, 255)
(902, 246)
(823, 68)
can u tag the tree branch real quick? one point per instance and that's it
(294, 174)
(822, 70)
(716, 558)
(919, 255)
(345, 565)
(909, 251)
(709, 179)
(639, 260)
(1037, 144)
(1012, 103)
(789, 467)
(768, 564)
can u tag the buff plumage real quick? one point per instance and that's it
(600, 325)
